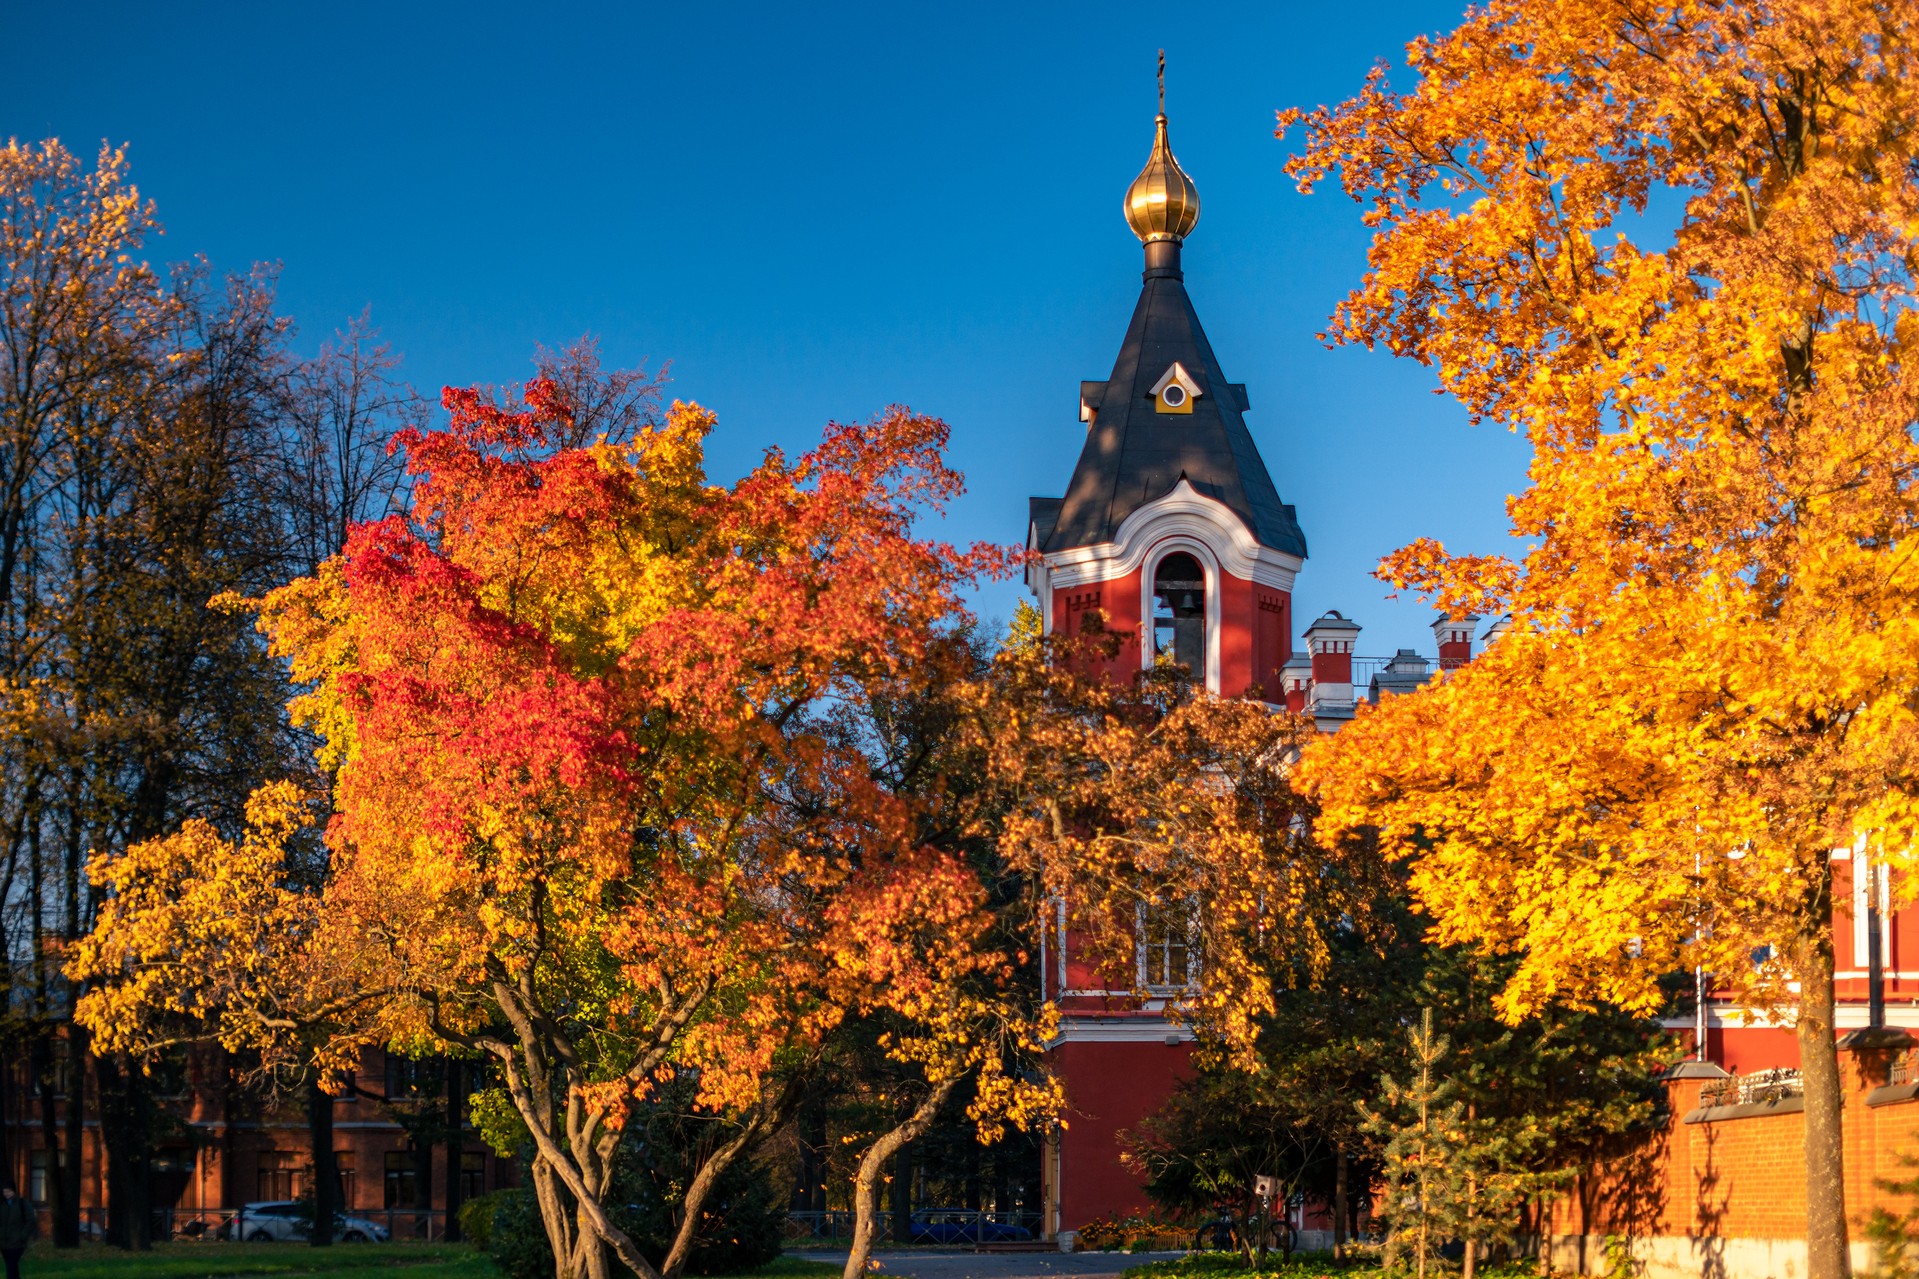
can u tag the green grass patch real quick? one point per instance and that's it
(299, 1261)
(212, 1260)
(789, 1268)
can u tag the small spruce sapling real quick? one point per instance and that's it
(1421, 1123)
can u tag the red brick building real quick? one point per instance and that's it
(220, 1141)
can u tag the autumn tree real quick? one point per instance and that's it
(1674, 244)
(1151, 796)
(143, 415)
(342, 408)
(587, 820)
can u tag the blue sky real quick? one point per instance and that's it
(810, 212)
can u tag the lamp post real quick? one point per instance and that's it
(1266, 1190)
(1875, 957)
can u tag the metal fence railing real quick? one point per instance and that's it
(358, 1225)
(928, 1226)
(1760, 1086)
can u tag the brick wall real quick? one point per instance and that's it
(1720, 1190)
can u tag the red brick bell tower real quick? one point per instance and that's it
(1172, 531)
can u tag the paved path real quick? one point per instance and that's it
(1002, 1265)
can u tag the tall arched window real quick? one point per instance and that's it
(1179, 612)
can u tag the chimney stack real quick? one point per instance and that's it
(1330, 640)
(1294, 678)
(1455, 640)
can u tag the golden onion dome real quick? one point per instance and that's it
(1162, 203)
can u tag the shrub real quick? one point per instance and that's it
(1133, 1234)
(517, 1237)
(740, 1228)
(476, 1220)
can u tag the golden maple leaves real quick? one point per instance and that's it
(1707, 685)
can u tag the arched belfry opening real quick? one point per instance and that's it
(1179, 612)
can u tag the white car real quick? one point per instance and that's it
(284, 1220)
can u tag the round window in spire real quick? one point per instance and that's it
(1175, 391)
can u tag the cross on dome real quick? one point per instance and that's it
(1162, 203)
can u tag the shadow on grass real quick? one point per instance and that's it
(298, 1261)
(1304, 1265)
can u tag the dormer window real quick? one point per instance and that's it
(1175, 391)
(1179, 612)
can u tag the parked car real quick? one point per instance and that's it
(285, 1219)
(263, 1222)
(962, 1225)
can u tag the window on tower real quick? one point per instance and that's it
(1179, 613)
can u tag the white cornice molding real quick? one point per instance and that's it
(1137, 1030)
(1847, 1015)
(1184, 512)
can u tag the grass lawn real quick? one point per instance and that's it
(297, 1261)
(207, 1260)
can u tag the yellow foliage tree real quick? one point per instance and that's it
(1675, 244)
(592, 817)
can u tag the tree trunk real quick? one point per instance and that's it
(423, 1177)
(126, 1125)
(1828, 1250)
(1467, 1260)
(1340, 1173)
(78, 1050)
(66, 1231)
(14, 1058)
(326, 1178)
(595, 1258)
(866, 1184)
(900, 1196)
(810, 1195)
(74, 1120)
(455, 1147)
(554, 1216)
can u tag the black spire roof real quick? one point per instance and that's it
(1135, 454)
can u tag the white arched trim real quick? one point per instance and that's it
(1209, 564)
(1184, 512)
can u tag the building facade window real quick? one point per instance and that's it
(472, 1174)
(1169, 949)
(402, 1179)
(348, 1172)
(275, 1176)
(168, 1076)
(407, 1078)
(37, 1178)
(1179, 613)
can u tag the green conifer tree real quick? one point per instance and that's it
(1422, 1124)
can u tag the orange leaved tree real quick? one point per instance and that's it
(588, 821)
(1675, 244)
(1152, 808)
